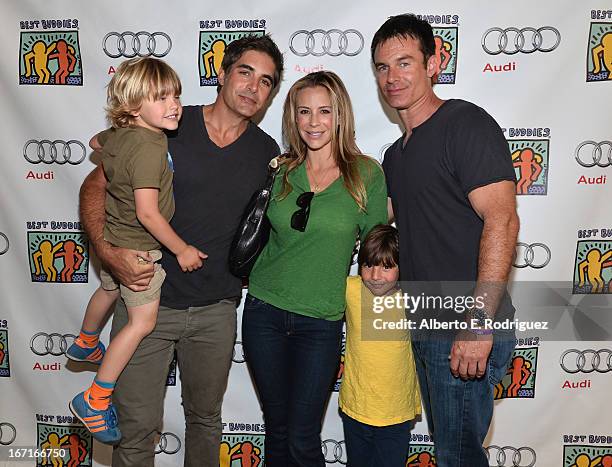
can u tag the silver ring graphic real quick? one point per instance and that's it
(520, 42)
(3, 427)
(49, 346)
(238, 353)
(328, 45)
(133, 48)
(336, 450)
(162, 446)
(48, 151)
(529, 255)
(6, 240)
(383, 150)
(601, 361)
(597, 154)
(517, 456)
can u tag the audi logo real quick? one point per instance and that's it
(527, 40)
(238, 353)
(535, 255)
(50, 344)
(46, 151)
(168, 443)
(521, 457)
(333, 42)
(128, 44)
(599, 361)
(5, 438)
(6, 243)
(596, 154)
(334, 451)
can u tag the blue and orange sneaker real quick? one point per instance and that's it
(80, 353)
(102, 424)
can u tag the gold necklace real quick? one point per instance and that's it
(317, 184)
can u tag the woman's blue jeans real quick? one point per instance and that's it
(293, 360)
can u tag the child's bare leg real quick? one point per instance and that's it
(97, 309)
(141, 321)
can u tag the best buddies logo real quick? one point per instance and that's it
(49, 52)
(215, 36)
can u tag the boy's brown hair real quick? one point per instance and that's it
(380, 247)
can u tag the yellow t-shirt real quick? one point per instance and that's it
(379, 386)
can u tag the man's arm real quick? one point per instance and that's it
(390, 213)
(496, 205)
(123, 263)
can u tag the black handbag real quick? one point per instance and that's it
(254, 228)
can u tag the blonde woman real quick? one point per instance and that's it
(326, 195)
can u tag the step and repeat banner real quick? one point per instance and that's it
(543, 70)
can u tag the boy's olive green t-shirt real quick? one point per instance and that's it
(134, 158)
(305, 272)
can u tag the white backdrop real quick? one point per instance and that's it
(536, 74)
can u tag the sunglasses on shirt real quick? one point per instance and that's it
(299, 219)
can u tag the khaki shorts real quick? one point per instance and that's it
(130, 297)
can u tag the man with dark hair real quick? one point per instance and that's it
(451, 186)
(219, 158)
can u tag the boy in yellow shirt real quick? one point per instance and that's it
(379, 396)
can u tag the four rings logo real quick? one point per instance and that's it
(593, 154)
(511, 456)
(4, 243)
(238, 353)
(8, 433)
(168, 443)
(51, 344)
(334, 451)
(130, 44)
(46, 151)
(586, 361)
(319, 42)
(527, 40)
(535, 255)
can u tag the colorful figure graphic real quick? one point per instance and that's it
(77, 449)
(40, 54)
(226, 453)
(50, 58)
(602, 55)
(248, 455)
(584, 461)
(213, 58)
(65, 59)
(5, 369)
(46, 254)
(241, 450)
(443, 49)
(519, 374)
(54, 444)
(529, 165)
(519, 380)
(72, 255)
(212, 51)
(58, 256)
(592, 267)
(530, 162)
(423, 459)
(446, 43)
(587, 456)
